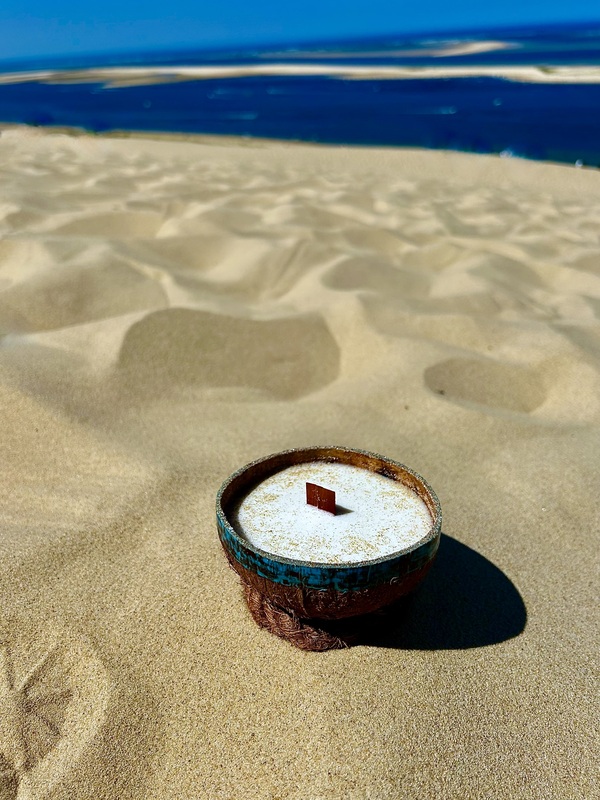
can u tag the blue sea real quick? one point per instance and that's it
(528, 92)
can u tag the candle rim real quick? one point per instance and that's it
(433, 532)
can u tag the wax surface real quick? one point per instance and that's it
(376, 516)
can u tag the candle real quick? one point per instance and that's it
(323, 534)
(375, 516)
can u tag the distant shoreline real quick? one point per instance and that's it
(516, 165)
(167, 136)
(117, 77)
(258, 143)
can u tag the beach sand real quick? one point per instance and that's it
(173, 310)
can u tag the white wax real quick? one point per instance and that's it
(375, 515)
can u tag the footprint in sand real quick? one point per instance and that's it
(53, 694)
(487, 383)
(181, 347)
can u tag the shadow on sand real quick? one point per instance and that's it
(464, 602)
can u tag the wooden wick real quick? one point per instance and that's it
(320, 497)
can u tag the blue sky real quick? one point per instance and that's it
(62, 27)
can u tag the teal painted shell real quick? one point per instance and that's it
(266, 570)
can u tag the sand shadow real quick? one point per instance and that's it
(464, 602)
(178, 348)
(488, 383)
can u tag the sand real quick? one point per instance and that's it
(171, 311)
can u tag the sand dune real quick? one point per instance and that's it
(172, 310)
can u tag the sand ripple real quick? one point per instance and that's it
(235, 266)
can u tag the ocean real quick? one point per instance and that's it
(529, 92)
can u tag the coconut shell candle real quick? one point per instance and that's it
(326, 533)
